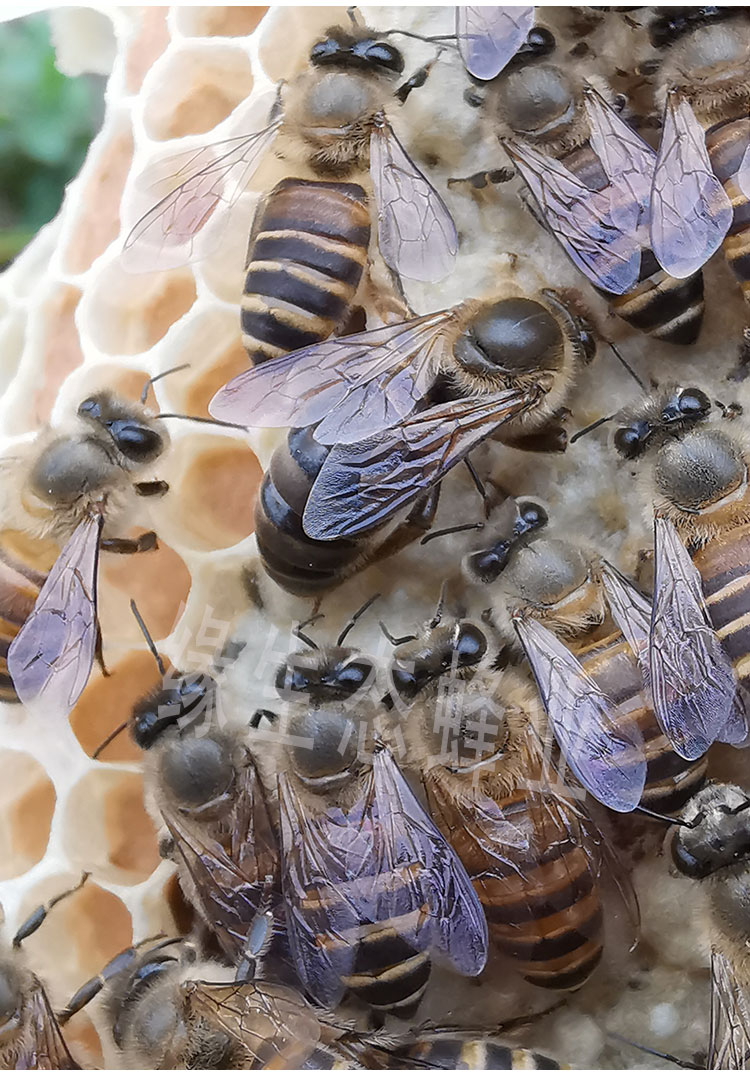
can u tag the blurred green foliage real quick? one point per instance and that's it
(46, 124)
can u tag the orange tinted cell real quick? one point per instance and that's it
(107, 702)
(128, 382)
(147, 44)
(128, 313)
(159, 583)
(197, 89)
(27, 802)
(61, 349)
(202, 387)
(220, 21)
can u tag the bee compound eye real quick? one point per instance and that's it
(385, 55)
(694, 402)
(628, 442)
(532, 515)
(471, 644)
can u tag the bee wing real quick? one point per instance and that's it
(627, 160)
(742, 179)
(362, 486)
(580, 219)
(630, 610)
(692, 681)
(488, 37)
(273, 1023)
(690, 210)
(352, 387)
(229, 892)
(416, 233)
(604, 750)
(51, 657)
(729, 1036)
(43, 1047)
(215, 176)
(382, 859)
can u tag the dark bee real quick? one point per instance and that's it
(525, 850)
(61, 490)
(373, 892)
(500, 368)
(713, 846)
(590, 174)
(310, 239)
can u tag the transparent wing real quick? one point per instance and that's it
(582, 220)
(488, 37)
(383, 859)
(214, 178)
(692, 681)
(51, 658)
(352, 387)
(630, 610)
(627, 160)
(273, 1023)
(729, 1036)
(690, 210)
(604, 750)
(231, 887)
(360, 487)
(43, 1047)
(742, 179)
(416, 234)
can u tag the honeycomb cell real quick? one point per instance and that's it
(223, 270)
(148, 43)
(157, 580)
(107, 828)
(27, 802)
(170, 900)
(287, 35)
(197, 88)
(210, 342)
(127, 313)
(213, 487)
(98, 223)
(78, 937)
(218, 21)
(60, 349)
(107, 702)
(128, 382)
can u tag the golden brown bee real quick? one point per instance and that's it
(60, 491)
(713, 846)
(568, 606)
(309, 243)
(373, 893)
(468, 727)
(394, 409)
(590, 175)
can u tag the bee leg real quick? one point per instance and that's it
(419, 78)
(35, 919)
(145, 542)
(742, 370)
(98, 653)
(552, 438)
(118, 965)
(485, 178)
(151, 488)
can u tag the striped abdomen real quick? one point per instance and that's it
(19, 588)
(542, 904)
(670, 780)
(727, 143)
(475, 1054)
(307, 251)
(300, 565)
(724, 566)
(659, 305)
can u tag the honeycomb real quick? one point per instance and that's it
(72, 321)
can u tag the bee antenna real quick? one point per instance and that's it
(396, 641)
(666, 819)
(200, 419)
(155, 378)
(654, 1052)
(110, 738)
(591, 427)
(450, 531)
(148, 638)
(355, 618)
(740, 808)
(435, 620)
(631, 371)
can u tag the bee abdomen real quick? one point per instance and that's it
(724, 566)
(19, 587)
(726, 145)
(300, 565)
(307, 253)
(471, 1054)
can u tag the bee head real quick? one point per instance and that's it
(137, 437)
(654, 421)
(486, 565)
(459, 645)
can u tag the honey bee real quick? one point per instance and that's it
(526, 850)
(30, 1036)
(61, 490)
(309, 242)
(713, 845)
(699, 197)
(382, 416)
(172, 1011)
(590, 175)
(373, 892)
(697, 486)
